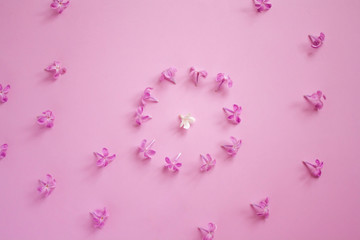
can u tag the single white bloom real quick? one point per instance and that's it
(186, 120)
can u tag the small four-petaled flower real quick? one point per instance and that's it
(104, 159)
(46, 119)
(316, 99)
(207, 162)
(196, 75)
(99, 217)
(209, 233)
(317, 41)
(146, 97)
(233, 115)
(3, 149)
(315, 168)
(47, 186)
(261, 208)
(186, 120)
(3, 93)
(173, 165)
(169, 75)
(222, 78)
(233, 148)
(56, 69)
(146, 149)
(59, 5)
(262, 5)
(139, 117)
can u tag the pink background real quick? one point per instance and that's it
(113, 50)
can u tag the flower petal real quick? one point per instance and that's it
(105, 152)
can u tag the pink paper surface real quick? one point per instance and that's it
(113, 50)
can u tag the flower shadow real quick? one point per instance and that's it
(306, 175)
(36, 197)
(250, 11)
(222, 92)
(179, 131)
(88, 225)
(305, 107)
(37, 130)
(49, 15)
(307, 49)
(223, 122)
(92, 170)
(46, 77)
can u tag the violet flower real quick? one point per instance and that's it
(139, 117)
(315, 99)
(99, 217)
(59, 5)
(317, 41)
(3, 92)
(3, 149)
(173, 165)
(262, 5)
(104, 159)
(46, 119)
(233, 115)
(146, 97)
(209, 233)
(196, 75)
(233, 148)
(56, 69)
(222, 78)
(262, 208)
(47, 186)
(146, 148)
(315, 168)
(169, 75)
(208, 162)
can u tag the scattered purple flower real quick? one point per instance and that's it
(60, 5)
(56, 69)
(208, 162)
(46, 119)
(173, 165)
(104, 159)
(47, 186)
(99, 217)
(262, 5)
(262, 208)
(139, 117)
(233, 115)
(317, 41)
(222, 78)
(315, 168)
(3, 92)
(146, 149)
(233, 148)
(146, 97)
(196, 75)
(209, 233)
(315, 99)
(169, 75)
(3, 149)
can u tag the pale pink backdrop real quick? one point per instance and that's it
(113, 50)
